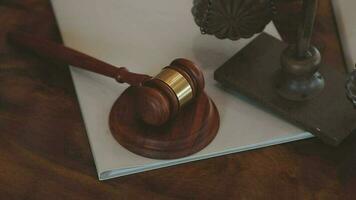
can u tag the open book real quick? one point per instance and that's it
(143, 36)
(345, 15)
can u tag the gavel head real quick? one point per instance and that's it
(163, 96)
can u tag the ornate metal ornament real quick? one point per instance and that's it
(232, 19)
(351, 87)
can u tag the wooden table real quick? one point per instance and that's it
(45, 154)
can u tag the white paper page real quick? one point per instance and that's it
(345, 16)
(145, 36)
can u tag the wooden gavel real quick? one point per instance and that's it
(159, 98)
(163, 117)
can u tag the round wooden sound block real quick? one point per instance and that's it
(194, 127)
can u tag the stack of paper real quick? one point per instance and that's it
(144, 36)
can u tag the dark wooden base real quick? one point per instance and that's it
(253, 71)
(189, 132)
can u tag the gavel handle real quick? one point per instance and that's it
(58, 52)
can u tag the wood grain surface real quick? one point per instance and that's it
(44, 150)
